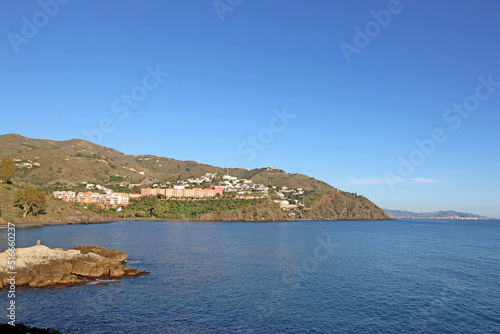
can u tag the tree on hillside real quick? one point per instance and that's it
(30, 200)
(7, 169)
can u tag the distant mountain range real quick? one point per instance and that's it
(431, 215)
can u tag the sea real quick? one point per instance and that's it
(400, 276)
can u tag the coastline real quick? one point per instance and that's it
(55, 223)
(112, 220)
(106, 221)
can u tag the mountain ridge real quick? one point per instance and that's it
(450, 214)
(155, 168)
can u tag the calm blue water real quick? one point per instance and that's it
(387, 277)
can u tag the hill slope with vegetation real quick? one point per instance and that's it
(58, 165)
(340, 205)
(54, 211)
(225, 209)
(49, 162)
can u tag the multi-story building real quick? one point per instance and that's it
(122, 199)
(152, 191)
(108, 200)
(182, 192)
(134, 196)
(64, 195)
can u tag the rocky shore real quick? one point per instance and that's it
(23, 329)
(41, 266)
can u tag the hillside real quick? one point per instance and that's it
(70, 162)
(52, 165)
(267, 211)
(439, 214)
(55, 211)
(339, 205)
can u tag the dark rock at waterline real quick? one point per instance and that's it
(23, 329)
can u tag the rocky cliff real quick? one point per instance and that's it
(339, 205)
(40, 266)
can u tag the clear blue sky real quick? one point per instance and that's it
(356, 102)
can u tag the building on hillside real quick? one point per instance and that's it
(182, 192)
(230, 178)
(134, 196)
(89, 197)
(152, 191)
(64, 195)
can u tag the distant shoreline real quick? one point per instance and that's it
(440, 218)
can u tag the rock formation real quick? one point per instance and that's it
(23, 329)
(40, 265)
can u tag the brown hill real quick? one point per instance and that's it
(59, 163)
(75, 161)
(340, 205)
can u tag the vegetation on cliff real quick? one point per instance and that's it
(54, 211)
(225, 209)
(339, 205)
(266, 210)
(7, 169)
(30, 200)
